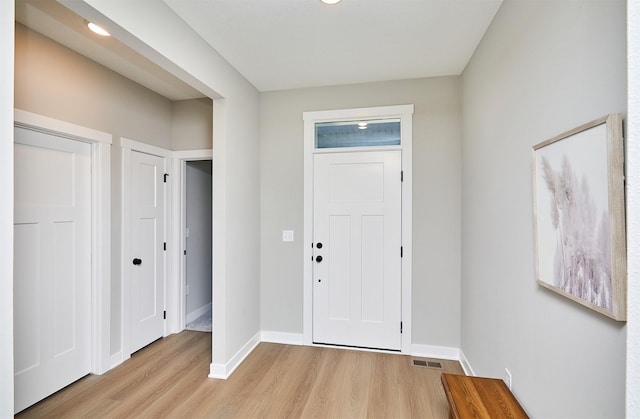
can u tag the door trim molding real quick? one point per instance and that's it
(100, 225)
(176, 295)
(405, 113)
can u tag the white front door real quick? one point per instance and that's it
(147, 262)
(357, 249)
(52, 264)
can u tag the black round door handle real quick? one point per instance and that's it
(319, 245)
(137, 261)
(318, 259)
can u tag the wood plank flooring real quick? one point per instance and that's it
(169, 379)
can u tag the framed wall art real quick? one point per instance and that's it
(579, 218)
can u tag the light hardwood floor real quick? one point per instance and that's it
(169, 379)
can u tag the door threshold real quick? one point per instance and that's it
(356, 348)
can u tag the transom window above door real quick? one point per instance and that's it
(359, 133)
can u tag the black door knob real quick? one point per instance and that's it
(137, 261)
(318, 259)
(319, 245)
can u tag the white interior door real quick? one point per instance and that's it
(357, 240)
(52, 264)
(147, 262)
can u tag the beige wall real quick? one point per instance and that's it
(192, 124)
(542, 68)
(54, 81)
(57, 82)
(436, 199)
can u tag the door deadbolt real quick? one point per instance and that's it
(137, 261)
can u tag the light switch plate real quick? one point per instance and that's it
(287, 235)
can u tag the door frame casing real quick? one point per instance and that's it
(100, 225)
(179, 164)
(405, 113)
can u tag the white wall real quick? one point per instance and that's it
(152, 29)
(6, 208)
(199, 206)
(543, 68)
(633, 209)
(436, 199)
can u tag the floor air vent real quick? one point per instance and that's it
(430, 364)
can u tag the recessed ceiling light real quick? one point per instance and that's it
(97, 29)
(330, 1)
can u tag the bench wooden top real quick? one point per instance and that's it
(478, 397)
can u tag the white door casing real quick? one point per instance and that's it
(52, 260)
(176, 292)
(404, 113)
(357, 249)
(147, 261)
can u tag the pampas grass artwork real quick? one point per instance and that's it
(581, 261)
(579, 216)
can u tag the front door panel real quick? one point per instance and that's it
(357, 239)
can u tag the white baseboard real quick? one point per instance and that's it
(439, 352)
(466, 366)
(282, 337)
(197, 313)
(224, 371)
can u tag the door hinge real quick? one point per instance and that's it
(401, 175)
(400, 327)
(164, 315)
(165, 246)
(401, 251)
(165, 177)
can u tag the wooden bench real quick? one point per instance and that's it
(478, 397)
